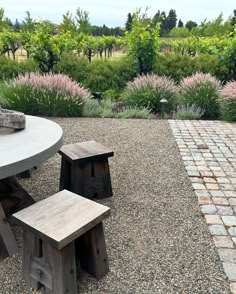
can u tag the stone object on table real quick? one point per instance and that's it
(12, 119)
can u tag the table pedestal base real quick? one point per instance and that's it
(12, 199)
(12, 196)
(8, 246)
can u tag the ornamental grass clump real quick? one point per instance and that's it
(228, 101)
(148, 90)
(50, 94)
(201, 90)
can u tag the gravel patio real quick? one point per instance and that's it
(157, 238)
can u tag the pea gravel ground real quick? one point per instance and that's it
(157, 239)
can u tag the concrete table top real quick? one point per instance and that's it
(22, 150)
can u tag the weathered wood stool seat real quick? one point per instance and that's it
(58, 230)
(85, 169)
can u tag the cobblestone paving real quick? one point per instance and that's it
(208, 149)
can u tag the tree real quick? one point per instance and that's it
(89, 47)
(8, 22)
(28, 23)
(229, 55)
(171, 20)
(233, 20)
(4, 21)
(143, 42)
(163, 28)
(17, 26)
(217, 27)
(157, 18)
(68, 23)
(82, 19)
(106, 31)
(9, 42)
(180, 24)
(190, 25)
(47, 48)
(128, 25)
(179, 32)
(1, 16)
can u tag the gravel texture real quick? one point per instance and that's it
(157, 239)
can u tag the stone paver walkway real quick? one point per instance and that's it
(208, 149)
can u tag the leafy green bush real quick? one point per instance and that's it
(52, 95)
(100, 75)
(189, 112)
(11, 69)
(109, 74)
(203, 91)
(110, 94)
(148, 90)
(228, 101)
(177, 66)
(73, 66)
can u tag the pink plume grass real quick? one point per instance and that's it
(53, 82)
(228, 93)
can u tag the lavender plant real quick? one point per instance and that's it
(228, 101)
(148, 90)
(106, 109)
(52, 95)
(189, 112)
(135, 112)
(203, 91)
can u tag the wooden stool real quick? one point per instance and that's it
(57, 230)
(85, 169)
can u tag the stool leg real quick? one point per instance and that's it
(91, 179)
(91, 251)
(8, 246)
(65, 176)
(32, 248)
(102, 174)
(63, 269)
(80, 176)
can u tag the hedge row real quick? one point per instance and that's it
(113, 74)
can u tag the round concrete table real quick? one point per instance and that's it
(21, 151)
(24, 149)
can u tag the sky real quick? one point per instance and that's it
(114, 13)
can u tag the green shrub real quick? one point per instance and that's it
(228, 101)
(100, 75)
(201, 90)
(177, 66)
(11, 69)
(189, 112)
(109, 74)
(110, 94)
(148, 90)
(52, 95)
(73, 66)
